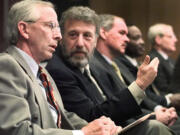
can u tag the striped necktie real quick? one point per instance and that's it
(50, 93)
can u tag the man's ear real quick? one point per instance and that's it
(158, 39)
(23, 29)
(102, 33)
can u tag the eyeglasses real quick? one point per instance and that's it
(169, 36)
(52, 25)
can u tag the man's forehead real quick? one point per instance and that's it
(168, 30)
(133, 30)
(79, 24)
(120, 24)
(47, 13)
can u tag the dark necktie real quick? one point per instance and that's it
(50, 93)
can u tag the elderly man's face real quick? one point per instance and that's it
(44, 35)
(79, 41)
(167, 42)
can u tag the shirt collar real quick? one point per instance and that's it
(86, 67)
(107, 59)
(164, 55)
(30, 61)
(132, 60)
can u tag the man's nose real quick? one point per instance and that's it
(57, 34)
(126, 39)
(80, 41)
(141, 41)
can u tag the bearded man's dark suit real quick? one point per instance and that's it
(82, 97)
(165, 71)
(161, 100)
(24, 109)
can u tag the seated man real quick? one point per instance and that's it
(29, 104)
(82, 88)
(163, 40)
(111, 44)
(135, 49)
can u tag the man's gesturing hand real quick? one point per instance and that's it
(147, 72)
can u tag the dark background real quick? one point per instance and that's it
(142, 13)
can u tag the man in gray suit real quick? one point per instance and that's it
(34, 34)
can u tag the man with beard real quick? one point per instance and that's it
(88, 92)
(29, 100)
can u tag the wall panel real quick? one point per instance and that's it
(143, 13)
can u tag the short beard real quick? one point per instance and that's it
(75, 61)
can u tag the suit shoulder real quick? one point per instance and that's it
(7, 60)
(56, 67)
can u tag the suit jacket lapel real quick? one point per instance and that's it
(163, 62)
(46, 120)
(128, 77)
(101, 77)
(133, 69)
(109, 69)
(91, 88)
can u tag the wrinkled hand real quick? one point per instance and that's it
(162, 116)
(173, 116)
(175, 101)
(147, 72)
(166, 116)
(101, 126)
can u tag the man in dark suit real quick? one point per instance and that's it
(86, 91)
(30, 104)
(110, 45)
(135, 49)
(175, 81)
(163, 41)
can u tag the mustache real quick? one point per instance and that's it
(77, 50)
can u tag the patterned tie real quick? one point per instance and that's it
(50, 93)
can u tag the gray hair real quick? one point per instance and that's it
(80, 13)
(24, 10)
(107, 21)
(157, 30)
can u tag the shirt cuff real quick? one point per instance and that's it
(157, 107)
(77, 132)
(137, 92)
(168, 98)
